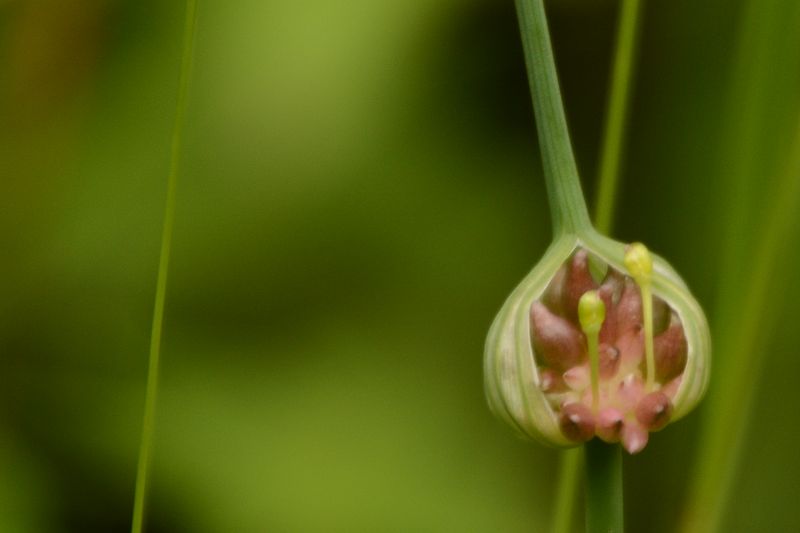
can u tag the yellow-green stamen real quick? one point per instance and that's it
(640, 266)
(592, 313)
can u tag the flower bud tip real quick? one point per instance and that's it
(591, 312)
(577, 422)
(638, 262)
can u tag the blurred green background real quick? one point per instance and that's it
(360, 191)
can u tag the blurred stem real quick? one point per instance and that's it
(617, 112)
(603, 487)
(743, 311)
(567, 205)
(148, 423)
(608, 181)
(723, 434)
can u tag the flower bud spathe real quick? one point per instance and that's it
(567, 356)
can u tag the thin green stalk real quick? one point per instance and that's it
(617, 117)
(743, 313)
(567, 205)
(148, 422)
(603, 487)
(608, 181)
(723, 436)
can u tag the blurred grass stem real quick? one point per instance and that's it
(617, 113)
(743, 313)
(148, 423)
(565, 198)
(723, 436)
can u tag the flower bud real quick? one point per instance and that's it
(558, 341)
(670, 351)
(634, 437)
(653, 411)
(577, 422)
(609, 424)
(567, 357)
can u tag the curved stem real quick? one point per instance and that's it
(603, 487)
(148, 423)
(567, 205)
(616, 119)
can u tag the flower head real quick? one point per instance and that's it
(601, 340)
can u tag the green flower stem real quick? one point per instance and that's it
(148, 423)
(567, 205)
(616, 119)
(603, 487)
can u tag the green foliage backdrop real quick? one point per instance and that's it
(360, 191)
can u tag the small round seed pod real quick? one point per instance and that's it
(540, 359)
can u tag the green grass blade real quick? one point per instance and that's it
(151, 394)
(750, 261)
(724, 433)
(617, 113)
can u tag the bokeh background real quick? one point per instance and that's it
(360, 191)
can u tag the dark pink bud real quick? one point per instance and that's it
(654, 410)
(578, 281)
(577, 422)
(670, 350)
(609, 361)
(557, 342)
(629, 309)
(609, 424)
(610, 292)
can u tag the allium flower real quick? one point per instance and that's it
(601, 340)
